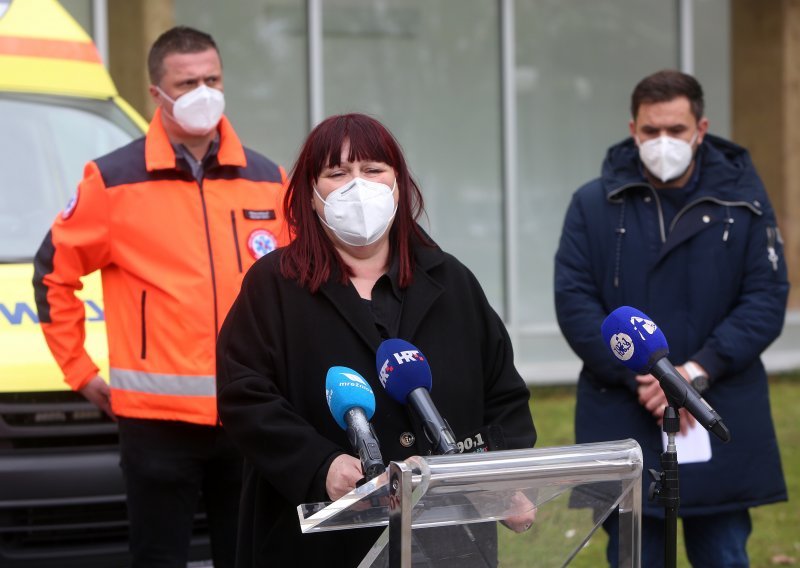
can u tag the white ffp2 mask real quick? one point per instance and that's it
(359, 211)
(666, 157)
(198, 111)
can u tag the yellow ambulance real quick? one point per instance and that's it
(61, 492)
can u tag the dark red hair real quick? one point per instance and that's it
(311, 256)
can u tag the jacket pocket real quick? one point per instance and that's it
(236, 240)
(144, 323)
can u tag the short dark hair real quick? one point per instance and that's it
(180, 39)
(666, 85)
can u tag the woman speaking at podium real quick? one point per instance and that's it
(358, 271)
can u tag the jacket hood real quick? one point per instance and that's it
(726, 170)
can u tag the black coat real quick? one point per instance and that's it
(715, 283)
(274, 351)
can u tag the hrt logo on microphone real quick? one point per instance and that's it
(401, 357)
(407, 356)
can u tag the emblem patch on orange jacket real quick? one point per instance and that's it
(72, 204)
(261, 242)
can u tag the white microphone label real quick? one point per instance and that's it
(621, 346)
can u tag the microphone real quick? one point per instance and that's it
(352, 403)
(406, 376)
(641, 346)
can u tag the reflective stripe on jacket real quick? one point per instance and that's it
(172, 254)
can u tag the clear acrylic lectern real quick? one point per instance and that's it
(444, 510)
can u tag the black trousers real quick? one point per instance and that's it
(167, 466)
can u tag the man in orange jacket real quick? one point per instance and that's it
(173, 221)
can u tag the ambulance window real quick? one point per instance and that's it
(45, 144)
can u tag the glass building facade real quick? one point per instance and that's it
(503, 108)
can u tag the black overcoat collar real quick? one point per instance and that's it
(418, 298)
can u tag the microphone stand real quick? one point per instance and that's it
(665, 488)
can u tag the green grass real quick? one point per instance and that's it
(776, 528)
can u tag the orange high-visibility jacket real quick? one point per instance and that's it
(172, 254)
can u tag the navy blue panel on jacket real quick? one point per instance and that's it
(714, 281)
(274, 351)
(126, 165)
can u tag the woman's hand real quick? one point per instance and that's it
(344, 473)
(525, 513)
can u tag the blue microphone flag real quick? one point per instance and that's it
(402, 368)
(634, 339)
(346, 389)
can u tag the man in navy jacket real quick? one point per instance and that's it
(679, 226)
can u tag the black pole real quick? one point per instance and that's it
(666, 487)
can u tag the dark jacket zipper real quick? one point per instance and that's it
(210, 256)
(144, 325)
(236, 240)
(211, 263)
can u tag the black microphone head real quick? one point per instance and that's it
(634, 339)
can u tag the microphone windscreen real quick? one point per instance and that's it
(346, 389)
(402, 368)
(634, 339)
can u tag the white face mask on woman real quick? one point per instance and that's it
(666, 157)
(198, 111)
(360, 211)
